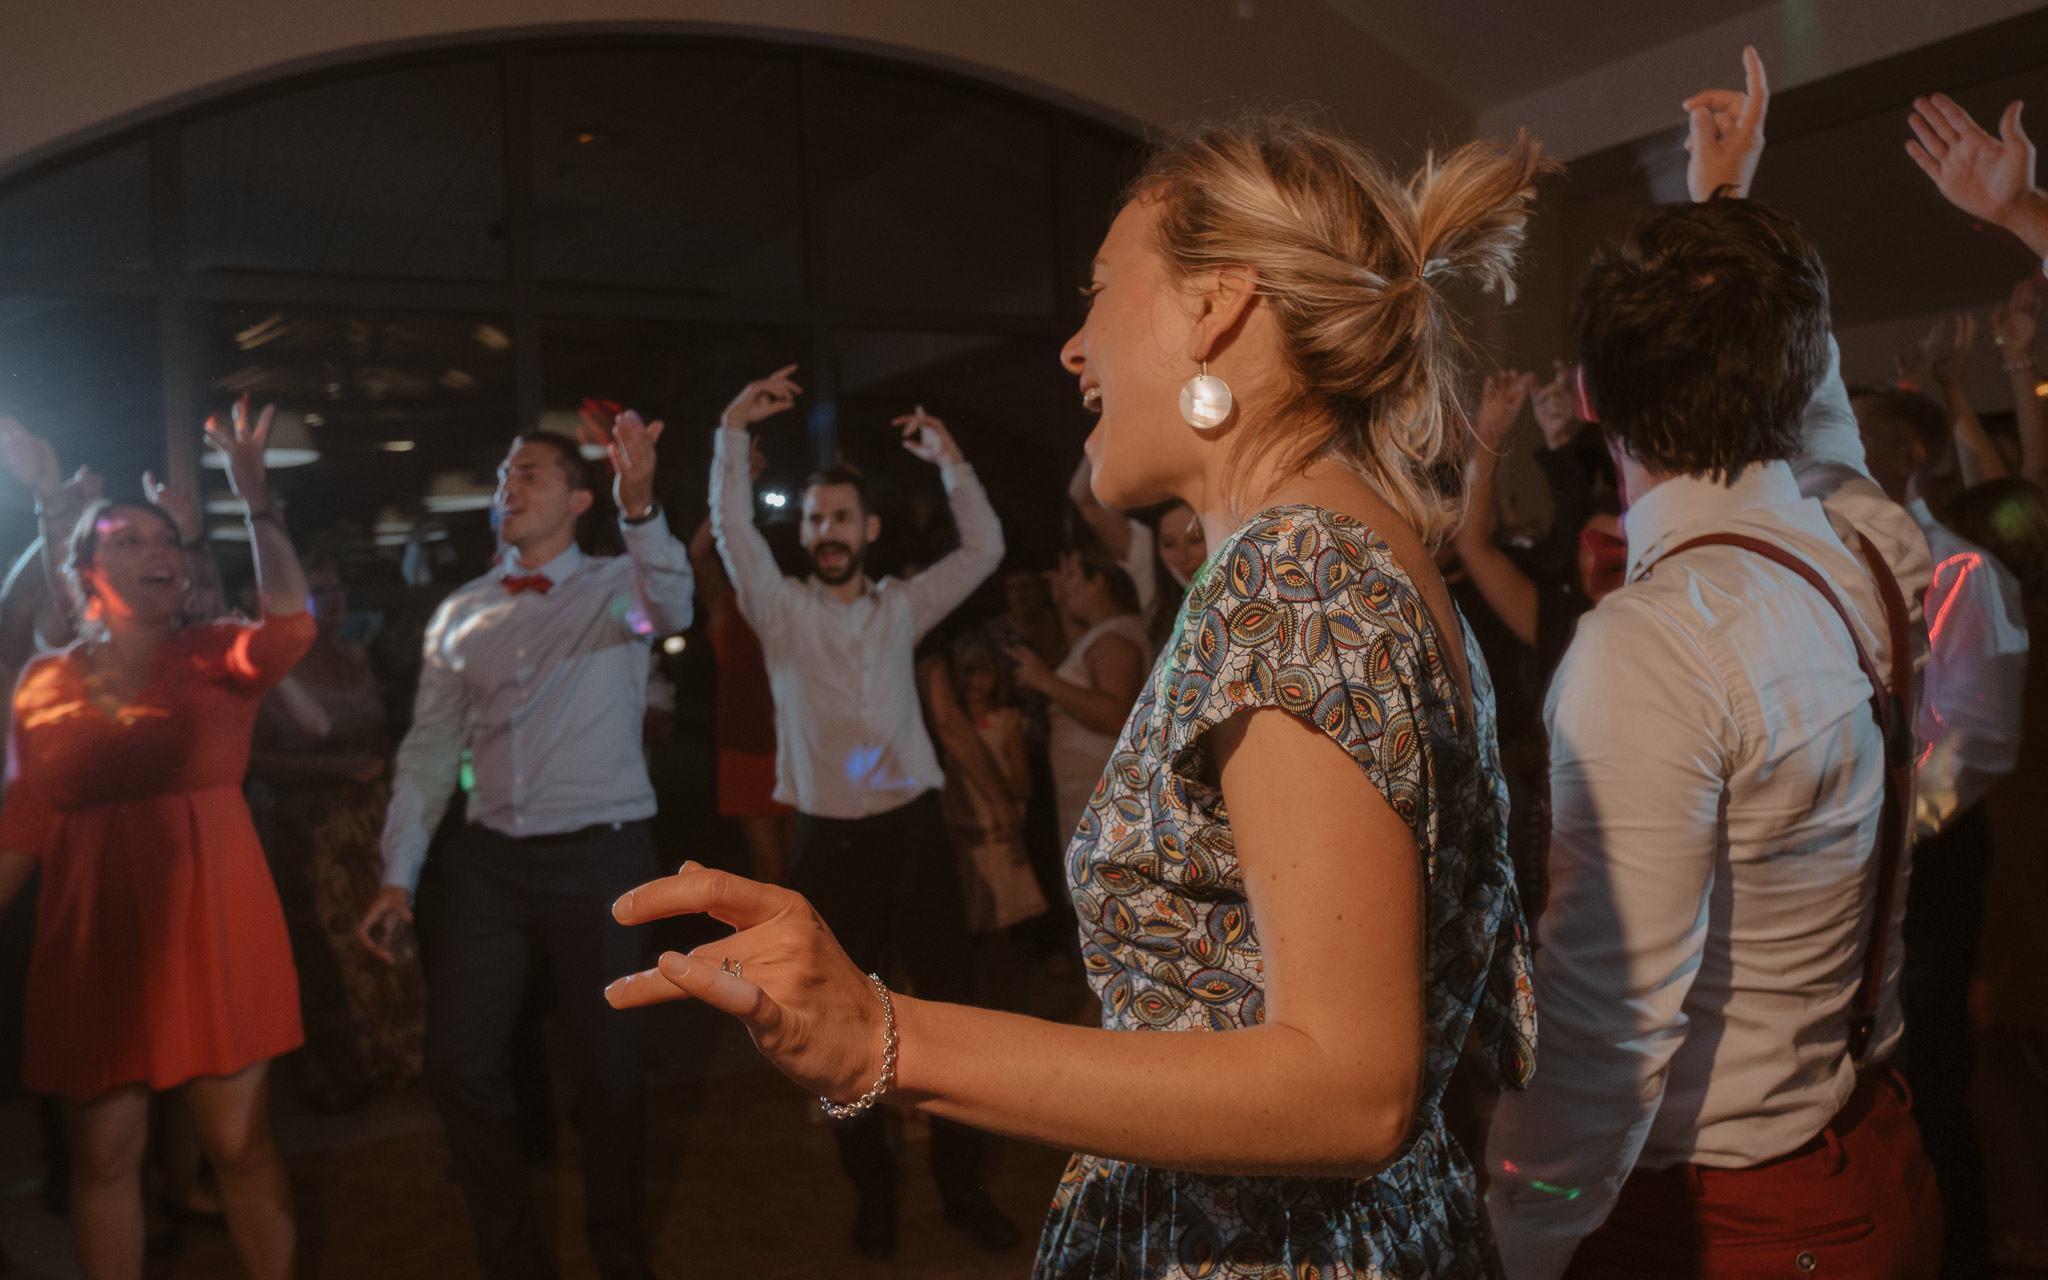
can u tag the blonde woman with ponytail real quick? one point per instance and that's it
(1294, 892)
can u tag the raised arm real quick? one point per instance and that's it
(279, 579)
(59, 502)
(23, 595)
(1946, 351)
(1725, 137)
(2012, 330)
(1508, 591)
(1621, 934)
(661, 564)
(749, 562)
(1989, 178)
(940, 589)
(1111, 528)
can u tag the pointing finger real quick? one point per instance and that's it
(1757, 87)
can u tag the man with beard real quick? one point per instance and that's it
(872, 852)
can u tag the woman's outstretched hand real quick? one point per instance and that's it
(810, 1011)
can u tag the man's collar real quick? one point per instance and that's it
(556, 570)
(1684, 505)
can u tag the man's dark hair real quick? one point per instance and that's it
(1703, 333)
(568, 456)
(1914, 410)
(845, 476)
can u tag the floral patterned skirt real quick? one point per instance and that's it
(1419, 1219)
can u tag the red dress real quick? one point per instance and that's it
(746, 722)
(161, 951)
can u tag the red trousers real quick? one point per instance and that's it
(1857, 1201)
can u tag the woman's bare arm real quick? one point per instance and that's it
(1328, 1085)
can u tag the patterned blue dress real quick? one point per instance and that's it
(1304, 609)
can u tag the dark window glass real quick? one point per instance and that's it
(935, 196)
(670, 169)
(409, 412)
(683, 374)
(1099, 164)
(395, 173)
(1014, 411)
(92, 215)
(85, 374)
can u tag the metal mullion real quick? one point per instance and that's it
(519, 224)
(177, 354)
(824, 373)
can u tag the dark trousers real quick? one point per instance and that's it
(889, 888)
(500, 899)
(1944, 919)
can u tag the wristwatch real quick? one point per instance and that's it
(653, 510)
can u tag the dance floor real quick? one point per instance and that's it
(741, 1183)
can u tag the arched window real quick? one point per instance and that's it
(417, 256)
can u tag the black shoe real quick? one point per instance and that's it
(874, 1229)
(977, 1215)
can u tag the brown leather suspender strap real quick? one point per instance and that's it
(1888, 707)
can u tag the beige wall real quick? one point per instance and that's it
(74, 69)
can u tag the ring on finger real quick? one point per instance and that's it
(734, 967)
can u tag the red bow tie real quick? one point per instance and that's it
(535, 582)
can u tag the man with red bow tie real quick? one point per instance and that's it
(539, 670)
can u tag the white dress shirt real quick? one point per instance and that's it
(1970, 701)
(1716, 781)
(850, 740)
(546, 691)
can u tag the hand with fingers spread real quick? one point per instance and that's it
(631, 450)
(1726, 136)
(177, 502)
(2013, 323)
(29, 459)
(1553, 404)
(241, 444)
(809, 1010)
(1500, 405)
(761, 399)
(1986, 177)
(927, 438)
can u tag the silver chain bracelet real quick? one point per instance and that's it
(848, 1110)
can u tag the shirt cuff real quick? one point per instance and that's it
(653, 530)
(403, 859)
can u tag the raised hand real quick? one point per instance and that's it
(1986, 177)
(809, 1010)
(62, 507)
(1500, 404)
(29, 459)
(176, 502)
(1555, 407)
(2013, 322)
(1947, 346)
(631, 450)
(763, 398)
(1726, 138)
(927, 438)
(241, 445)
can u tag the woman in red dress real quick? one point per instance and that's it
(161, 959)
